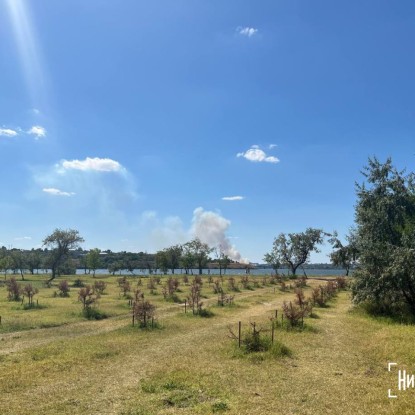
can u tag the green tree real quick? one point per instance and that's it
(273, 259)
(344, 256)
(93, 260)
(294, 249)
(19, 261)
(200, 252)
(34, 260)
(187, 260)
(162, 261)
(385, 229)
(174, 254)
(223, 259)
(60, 242)
(6, 264)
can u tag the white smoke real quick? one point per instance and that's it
(210, 228)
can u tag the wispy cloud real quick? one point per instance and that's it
(247, 31)
(23, 238)
(37, 131)
(56, 192)
(255, 154)
(232, 198)
(92, 164)
(271, 146)
(8, 132)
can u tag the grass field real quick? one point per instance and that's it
(54, 361)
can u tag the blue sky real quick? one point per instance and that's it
(131, 121)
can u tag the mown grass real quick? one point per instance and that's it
(190, 366)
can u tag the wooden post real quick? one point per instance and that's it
(276, 313)
(152, 322)
(37, 303)
(0, 320)
(133, 320)
(272, 332)
(274, 290)
(185, 306)
(239, 335)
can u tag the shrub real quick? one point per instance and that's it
(78, 283)
(341, 283)
(232, 284)
(255, 341)
(100, 286)
(225, 299)
(245, 282)
(63, 288)
(143, 312)
(194, 299)
(14, 289)
(151, 285)
(87, 296)
(217, 288)
(92, 313)
(124, 286)
(300, 282)
(294, 313)
(198, 280)
(318, 296)
(30, 292)
(185, 279)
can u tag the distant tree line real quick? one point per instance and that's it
(62, 255)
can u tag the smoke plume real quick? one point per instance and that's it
(210, 228)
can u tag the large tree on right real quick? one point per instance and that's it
(385, 231)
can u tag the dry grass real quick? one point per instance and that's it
(189, 366)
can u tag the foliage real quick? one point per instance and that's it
(29, 291)
(100, 286)
(294, 313)
(344, 255)
(93, 260)
(294, 249)
(61, 241)
(194, 298)
(88, 297)
(78, 283)
(143, 311)
(124, 285)
(199, 251)
(14, 289)
(63, 288)
(385, 232)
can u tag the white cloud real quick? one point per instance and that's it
(247, 31)
(56, 192)
(256, 155)
(23, 238)
(231, 198)
(271, 146)
(37, 131)
(36, 111)
(92, 164)
(7, 132)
